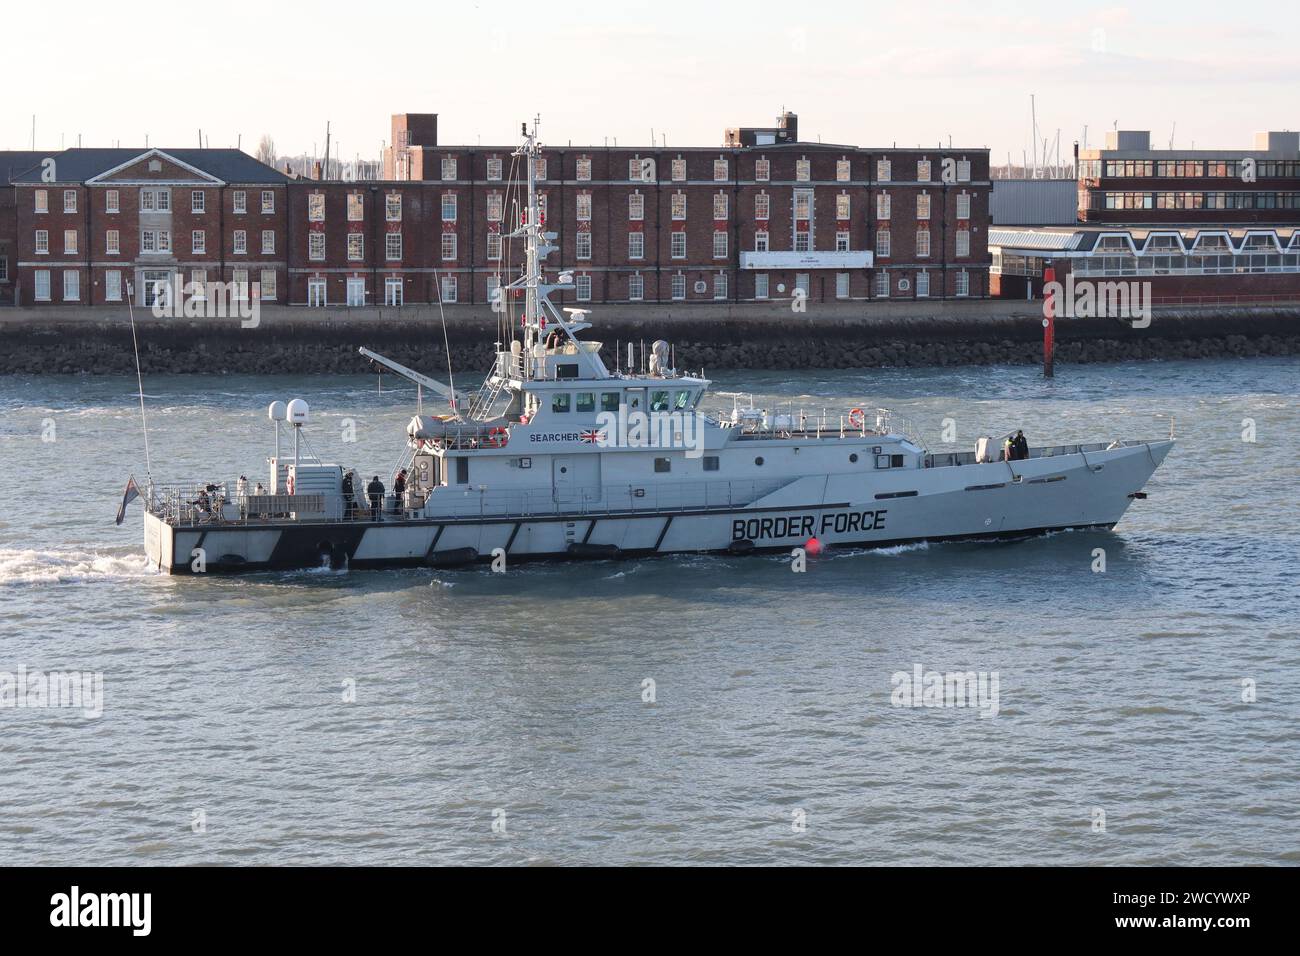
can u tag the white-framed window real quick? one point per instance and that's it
(41, 278)
(719, 244)
(842, 170)
(448, 246)
(148, 241)
(636, 207)
(802, 170)
(963, 283)
(922, 243)
(356, 207)
(69, 242)
(448, 168)
(155, 200)
(71, 285)
(450, 290)
(494, 291)
(448, 207)
(882, 243)
(539, 167)
(317, 293)
(583, 169)
(634, 169)
(393, 207)
(963, 205)
(923, 173)
(69, 203)
(679, 170)
(678, 205)
(112, 201)
(677, 245)
(113, 286)
(762, 206)
(267, 285)
(884, 170)
(841, 285)
(720, 286)
(761, 241)
(4, 268)
(801, 283)
(239, 279)
(582, 288)
(494, 169)
(198, 242)
(268, 201)
(963, 242)
(41, 200)
(923, 206)
(963, 171)
(495, 207)
(268, 242)
(802, 240)
(636, 245)
(882, 284)
(583, 245)
(760, 285)
(922, 285)
(583, 201)
(719, 205)
(112, 242)
(356, 246)
(720, 170)
(883, 205)
(241, 242)
(494, 247)
(198, 200)
(842, 241)
(843, 206)
(802, 204)
(316, 246)
(42, 242)
(393, 292)
(635, 287)
(679, 286)
(392, 246)
(199, 283)
(239, 201)
(762, 170)
(315, 207)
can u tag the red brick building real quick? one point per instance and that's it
(92, 224)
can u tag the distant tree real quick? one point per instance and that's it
(266, 149)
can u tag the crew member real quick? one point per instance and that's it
(1009, 449)
(399, 486)
(349, 497)
(375, 492)
(1022, 446)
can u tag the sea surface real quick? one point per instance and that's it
(1148, 713)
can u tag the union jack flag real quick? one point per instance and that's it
(592, 436)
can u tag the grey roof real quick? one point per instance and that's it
(1048, 240)
(15, 162)
(228, 165)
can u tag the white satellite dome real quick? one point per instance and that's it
(276, 411)
(298, 411)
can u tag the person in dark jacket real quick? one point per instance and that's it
(399, 486)
(349, 497)
(1022, 446)
(375, 492)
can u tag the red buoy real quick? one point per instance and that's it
(813, 547)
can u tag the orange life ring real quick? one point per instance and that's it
(857, 418)
(497, 437)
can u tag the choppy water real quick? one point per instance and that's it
(1119, 691)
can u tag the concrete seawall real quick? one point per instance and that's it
(298, 340)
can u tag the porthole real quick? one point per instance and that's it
(853, 458)
(759, 460)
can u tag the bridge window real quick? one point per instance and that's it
(560, 402)
(609, 401)
(682, 401)
(586, 401)
(658, 401)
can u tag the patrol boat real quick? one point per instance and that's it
(557, 456)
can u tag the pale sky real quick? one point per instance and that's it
(862, 73)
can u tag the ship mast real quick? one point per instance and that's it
(532, 227)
